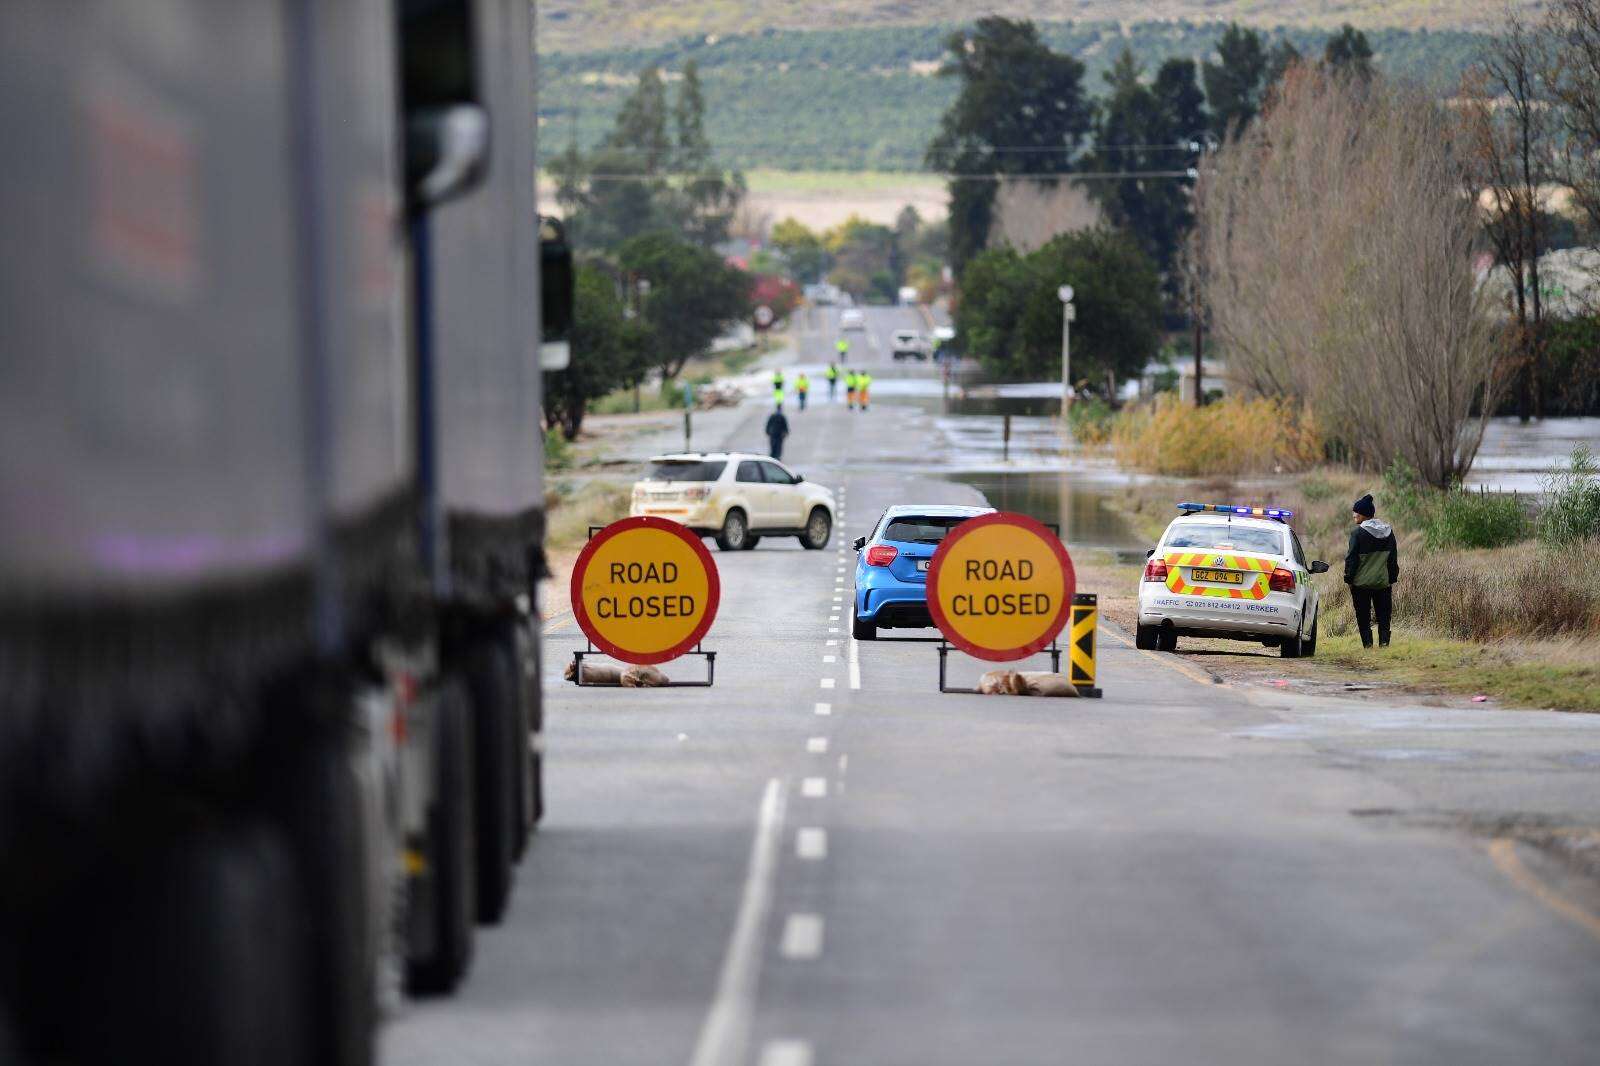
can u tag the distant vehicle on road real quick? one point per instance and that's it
(892, 566)
(1238, 572)
(908, 295)
(852, 319)
(909, 344)
(823, 294)
(736, 497)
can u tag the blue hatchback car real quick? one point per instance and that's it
(892, 567)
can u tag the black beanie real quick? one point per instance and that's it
(1364, 506)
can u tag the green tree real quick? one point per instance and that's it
(802, 249)
(1235, 82)
(694, 295)
(1010, 315)
(1283, 56)
(609, 351)
(1021, 110)
(1347, 52)
(709, 196)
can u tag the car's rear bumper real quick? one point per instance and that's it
(894, 606)
(1213, 616)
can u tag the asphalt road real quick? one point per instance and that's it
(822, 860)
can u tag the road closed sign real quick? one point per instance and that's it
(644, 590)
(1000, 586)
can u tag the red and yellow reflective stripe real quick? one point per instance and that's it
(1256, 590)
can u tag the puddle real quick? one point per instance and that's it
(1078, 506)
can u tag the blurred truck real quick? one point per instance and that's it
(271, 515)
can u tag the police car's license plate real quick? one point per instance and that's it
(922, 564)
(1226, 577)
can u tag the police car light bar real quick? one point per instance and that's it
(1231, 509)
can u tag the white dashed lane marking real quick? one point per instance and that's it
(811, 843)
(802, 936)
(786, 1053)
(827, 682)
(817, 745)
(814, 787)
(824, 708)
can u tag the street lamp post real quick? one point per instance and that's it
(644, 290)
(1068, 313)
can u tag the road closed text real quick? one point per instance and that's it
(644, 604)
(1000, 604)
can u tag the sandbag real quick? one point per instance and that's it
(1025, 683)
(595, 673)
(643, 677)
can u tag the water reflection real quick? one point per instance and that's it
(1077, 506)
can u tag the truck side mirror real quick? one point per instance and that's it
(446, 128)
(1319, 567)
(860, 542)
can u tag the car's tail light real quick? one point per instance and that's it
(1156, 570)
(1282, 580)
(881, 554)
(699, 492)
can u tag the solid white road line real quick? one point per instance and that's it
(827, 682)
(802, 936)
(814, 787)
(824, 709)
(817, 745)
(725, 1033)
(855, 663)
(786, 1053)
(811, 843)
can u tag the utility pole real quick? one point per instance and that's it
(1068, 313)
(1199, 362)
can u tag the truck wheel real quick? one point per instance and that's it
(526, 706)
(734, 531)
(819, 529)
(201, 960)
(1166, 639)
(321, 804)
(491, 681)
(451, 858)
(1145, 637)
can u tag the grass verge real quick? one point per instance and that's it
(572, 508)
(1564, 675)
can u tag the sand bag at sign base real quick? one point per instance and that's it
(1025, 683)
(596, 673)
(643, 677)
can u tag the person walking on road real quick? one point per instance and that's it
(777, 387)
(863, 383)
(1371, 567)
(833, 381)
(843, 347)
(802, 385)
(850, 390)
(777, 430)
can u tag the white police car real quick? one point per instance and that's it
(1223, 570)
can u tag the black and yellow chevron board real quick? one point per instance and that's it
(1080, 648)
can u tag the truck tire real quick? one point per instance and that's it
(323, 810)
(492, 682)
(527, 696)
(200, 958)
(451, 852)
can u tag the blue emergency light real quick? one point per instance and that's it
(1236, 509)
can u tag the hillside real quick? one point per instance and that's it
(868, 99)
(585, 25)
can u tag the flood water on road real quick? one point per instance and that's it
(1077, 505)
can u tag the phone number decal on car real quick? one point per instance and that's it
(1219, 605)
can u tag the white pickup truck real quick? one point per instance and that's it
(909, 344)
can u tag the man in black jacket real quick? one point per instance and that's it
(777, 429)
(1371, 567)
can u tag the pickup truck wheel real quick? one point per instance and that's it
(819, 529)
(451, 859)
(491, 680)
(1144, 637)
(735, 530)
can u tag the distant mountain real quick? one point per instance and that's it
(868, 98)
(588, 25)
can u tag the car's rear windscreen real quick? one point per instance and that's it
(913, 529)
(693, 470)
(1228, 537)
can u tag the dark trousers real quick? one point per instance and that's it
(802, 401)
(1365, 600)
(777, 453)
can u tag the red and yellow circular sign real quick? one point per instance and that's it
(1000, 586)
(644, 590)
